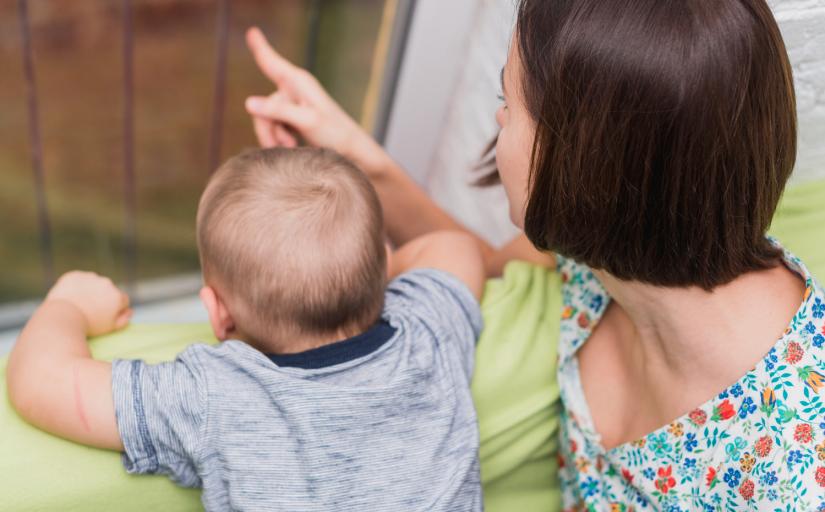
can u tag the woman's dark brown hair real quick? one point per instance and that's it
(666, 131)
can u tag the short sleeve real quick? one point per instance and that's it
(160, 409)
(442, 303)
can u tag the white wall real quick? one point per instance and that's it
(803, 28)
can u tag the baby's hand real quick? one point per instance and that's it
(104, 306)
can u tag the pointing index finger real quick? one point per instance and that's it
(270, 62)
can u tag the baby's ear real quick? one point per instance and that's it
(219, 317)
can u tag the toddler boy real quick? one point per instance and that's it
(332, 389)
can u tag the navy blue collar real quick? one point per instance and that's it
(339, 352)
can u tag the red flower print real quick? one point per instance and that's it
(583, 320)
(573, 446)
(664, 482)
(698, 417)
(710, 478)
(723, 411)
(746, 489)
(628, 476)
(763, 446)
(820, 476)
(794, 353)
(561, 461)
(803, 433)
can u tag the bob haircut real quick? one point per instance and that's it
(665, 134)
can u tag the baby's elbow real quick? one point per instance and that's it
(19, 395)
(22, 386)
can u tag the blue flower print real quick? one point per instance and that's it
(723, 394)
(691, 442)
(596, 303)
(818, 308)
(736, 390)
(732, 477)
(689, 463)
(794, 457)
(590, 486)
(747, 407)
(810, 328)
(649, 473)
(771, 495)
(768, 478)
(771, 359)
(659, 444)
(819, 340)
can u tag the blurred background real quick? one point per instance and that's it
(136, 102)
(113, 113)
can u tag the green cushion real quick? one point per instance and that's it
(514, 388)
(517, 403)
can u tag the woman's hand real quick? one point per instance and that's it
(301, 106)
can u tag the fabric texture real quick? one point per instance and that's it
(394, 429)
(759, 444)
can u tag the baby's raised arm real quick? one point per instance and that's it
(454, 252)
(53, 382)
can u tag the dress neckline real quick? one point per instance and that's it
(579, 321)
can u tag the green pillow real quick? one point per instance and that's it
(516, 395)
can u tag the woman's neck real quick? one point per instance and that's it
(698, 338)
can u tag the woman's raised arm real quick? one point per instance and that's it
(300, 106)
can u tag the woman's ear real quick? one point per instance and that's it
(219, 316)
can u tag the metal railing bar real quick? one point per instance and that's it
(219, 98)
(313, 36)
(129, 192)
(36, 145)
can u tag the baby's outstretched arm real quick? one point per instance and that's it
(52, 379)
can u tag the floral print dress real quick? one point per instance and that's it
(758, 445)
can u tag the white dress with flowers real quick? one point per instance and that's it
(758, 445)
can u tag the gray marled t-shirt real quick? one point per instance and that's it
(382, 421)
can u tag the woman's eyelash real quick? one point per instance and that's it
(500, 97)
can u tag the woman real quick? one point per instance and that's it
(646, 144)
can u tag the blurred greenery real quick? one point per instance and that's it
(78, 61)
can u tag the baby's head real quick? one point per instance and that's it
(292, 250)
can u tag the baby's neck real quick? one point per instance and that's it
(294, 342)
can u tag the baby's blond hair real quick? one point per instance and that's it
(293, 240)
